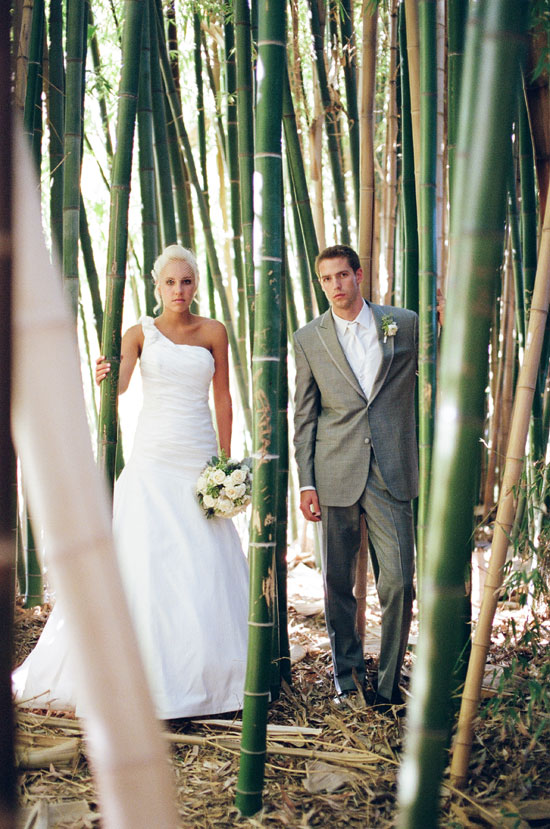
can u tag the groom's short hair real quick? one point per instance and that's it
(335, 252)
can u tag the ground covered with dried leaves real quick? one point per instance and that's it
(305, 787)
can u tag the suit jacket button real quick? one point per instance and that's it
(367, 441)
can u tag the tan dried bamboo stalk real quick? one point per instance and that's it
(413, 55)
(508, 358)
(506, 507)
(22, 54)
(358, 759)
(367, 83)
(52, 438)
(494, 459)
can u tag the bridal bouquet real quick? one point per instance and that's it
(224, 486)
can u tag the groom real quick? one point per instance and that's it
(355, 444)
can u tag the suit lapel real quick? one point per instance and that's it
(387, 351)
(327, 334)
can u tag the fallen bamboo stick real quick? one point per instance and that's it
(357, 759)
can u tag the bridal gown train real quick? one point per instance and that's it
(185, 576)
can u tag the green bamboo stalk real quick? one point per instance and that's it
(427, 262)
(266, 360)
(528, 208)
(201, 123)
(76, 20)
(476, 252)
(177, 165)
(301, 255)
(118, 234)
(517, 245)
(245, 140)
(457, 12)
(331, 124)
(56, 92)
(90, 268)
(207, 230)
(299, 182)
(96, 61)
(282, 488)
(34, 593)
(167, 215)
(350, 79)
(149, 215)
(232, 155)
(32, 118)
(8, 777)
(408, 186)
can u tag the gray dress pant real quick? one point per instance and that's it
(391, 542)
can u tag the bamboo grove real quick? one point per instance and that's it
(257, 133)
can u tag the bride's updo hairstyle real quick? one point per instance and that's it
(173, 253)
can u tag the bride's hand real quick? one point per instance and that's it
(102, 369)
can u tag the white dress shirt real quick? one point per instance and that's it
(365, 365)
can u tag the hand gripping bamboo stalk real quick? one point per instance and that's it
(69, 501)
(506, 507)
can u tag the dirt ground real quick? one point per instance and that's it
(509, 770)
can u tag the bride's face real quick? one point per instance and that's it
(177, 285)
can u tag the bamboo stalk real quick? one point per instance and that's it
(367, 82)
(8, 780)
(506, 507)
(118, 235)
(266, 360)
(428, 267)
(245, 124)
(359, 759)
(51, 433)
(413, 59)
(73, 148)
(487, 108)
(408, 188)
(331, 121)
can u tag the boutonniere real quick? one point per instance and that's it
(389, 326)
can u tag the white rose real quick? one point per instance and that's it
(201, 483)
(235, 492)
(238, 476)
(209, 502)
(218, 476)
(224, 505)
(392, 329)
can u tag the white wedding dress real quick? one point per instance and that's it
(185, 576)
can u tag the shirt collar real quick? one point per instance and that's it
(364, 318)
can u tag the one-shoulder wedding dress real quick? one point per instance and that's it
(185, 576)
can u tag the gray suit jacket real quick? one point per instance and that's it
(335, 426)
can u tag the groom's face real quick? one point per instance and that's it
(340, 283)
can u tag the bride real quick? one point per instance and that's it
(185, 576)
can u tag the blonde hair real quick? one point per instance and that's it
(173, 253)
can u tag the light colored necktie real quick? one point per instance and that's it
(355, 350)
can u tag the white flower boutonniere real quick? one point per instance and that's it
(389, 326)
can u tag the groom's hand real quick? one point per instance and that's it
(309, 505)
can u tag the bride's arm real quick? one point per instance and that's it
(220, 386)
(130, 350)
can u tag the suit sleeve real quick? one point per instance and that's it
(306, 412)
